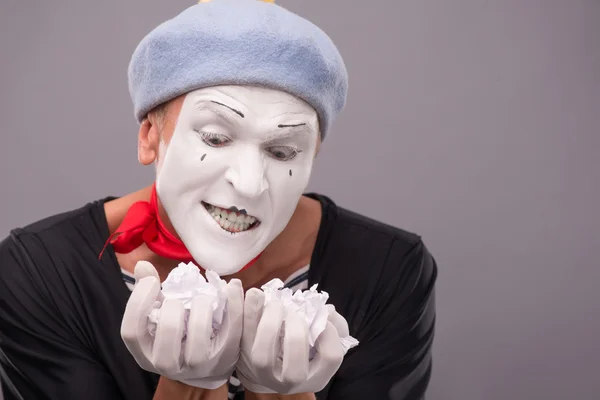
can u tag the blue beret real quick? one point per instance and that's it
(238, 42)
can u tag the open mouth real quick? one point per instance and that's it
(231, 219)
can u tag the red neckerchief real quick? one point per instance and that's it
(142, 224)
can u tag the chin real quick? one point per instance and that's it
(222, 262)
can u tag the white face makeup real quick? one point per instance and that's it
(232, 174)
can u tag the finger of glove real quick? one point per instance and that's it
(340, 323)
(253, 309)
(134, 326)
(199, 332)
(166, 352)
(328, 358)
(229, 339)
(144, 269)
(295, 350)
(267, 344)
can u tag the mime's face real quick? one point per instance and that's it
(234, 169)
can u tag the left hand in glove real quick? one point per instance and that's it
(269, 364)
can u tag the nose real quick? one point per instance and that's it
(247, 173)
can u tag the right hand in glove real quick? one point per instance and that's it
(202, 360)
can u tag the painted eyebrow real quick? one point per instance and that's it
(289, 126)
(231, 108)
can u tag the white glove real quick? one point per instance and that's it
(269, 364)
(200, 358)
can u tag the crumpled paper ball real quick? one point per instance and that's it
(310, 304)
(184, 283)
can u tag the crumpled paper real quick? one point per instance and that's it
(185, 283)
(310, 304)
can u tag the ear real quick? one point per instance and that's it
(148, 142)
(318, 147)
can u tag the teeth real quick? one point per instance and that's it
(230, 220)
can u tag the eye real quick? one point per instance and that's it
(282, 153)
(214, 139)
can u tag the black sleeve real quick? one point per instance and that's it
(393, 359)
(44, 357)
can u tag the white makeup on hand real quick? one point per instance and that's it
(238, 162)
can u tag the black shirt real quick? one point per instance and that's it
(61, 309)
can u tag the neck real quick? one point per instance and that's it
(287, 253)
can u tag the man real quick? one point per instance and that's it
(234, 98)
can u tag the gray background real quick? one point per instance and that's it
(473, 123)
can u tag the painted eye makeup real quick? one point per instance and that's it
(282, 153)
(213, 139)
